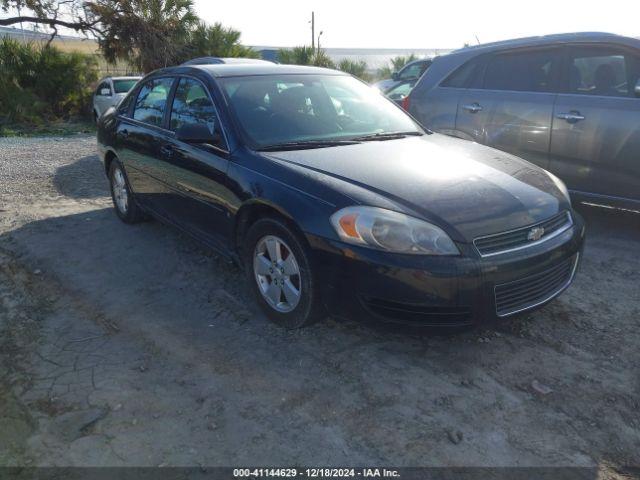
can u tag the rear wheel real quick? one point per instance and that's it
(279, 269)
(123, 199)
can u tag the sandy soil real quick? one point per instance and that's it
(126, 345)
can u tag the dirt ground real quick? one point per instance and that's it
(124, 345)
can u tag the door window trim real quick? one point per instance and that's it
(172, 94)
(132, 107)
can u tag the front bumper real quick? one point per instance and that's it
(366, 284)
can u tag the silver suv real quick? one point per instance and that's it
(569, 103)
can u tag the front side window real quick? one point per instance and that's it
(152, 101)
(531, 71)
(603, 71)
(192, 105)
(275, 109)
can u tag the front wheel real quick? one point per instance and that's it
(279, 270)
(123, 199)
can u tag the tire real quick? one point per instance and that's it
(258, 247)
(123, 198)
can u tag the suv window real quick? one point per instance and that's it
(152, 101)
(531, 71)
(102, 86)
(415, 70)
(604, 71)
(192, 105)
(468, 75)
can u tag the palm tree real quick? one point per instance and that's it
(216, 41)
(150, 33)
(305, 56)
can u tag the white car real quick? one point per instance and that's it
(109, 93)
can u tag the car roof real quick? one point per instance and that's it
(419, 60)
(225, 60)
(246, 70)
(550, 39)
(132, 77)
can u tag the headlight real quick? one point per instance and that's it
(561, 186)
(391, 231)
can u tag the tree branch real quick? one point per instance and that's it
(52, 22)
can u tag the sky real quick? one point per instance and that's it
(415, 23)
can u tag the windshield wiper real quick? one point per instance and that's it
(387, 136)
(306, 144)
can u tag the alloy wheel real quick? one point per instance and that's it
(120, 193)
(277, 273)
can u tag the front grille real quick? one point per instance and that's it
(520, 238)
(415, 314)
(534, 290)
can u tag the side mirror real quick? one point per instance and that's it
(105, 92)
(197, 133)
(395, 76)
(636, 89)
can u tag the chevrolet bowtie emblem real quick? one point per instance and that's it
(535, 233)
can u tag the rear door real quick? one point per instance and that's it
(141, 137)
(436, 107)
(595, 145)
(512, 108)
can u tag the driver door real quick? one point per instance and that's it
(196, 173)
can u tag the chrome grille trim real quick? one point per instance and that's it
(512, 240)
(536, 289)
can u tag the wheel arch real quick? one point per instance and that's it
(109, 157)
(255, 209)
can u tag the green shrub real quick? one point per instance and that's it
(355, 68)
(40, 84)
(305, 56)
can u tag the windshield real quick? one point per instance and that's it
(123, 86)
(277, 109)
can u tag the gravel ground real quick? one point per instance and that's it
(126, 345)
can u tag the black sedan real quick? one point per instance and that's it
(335, 200)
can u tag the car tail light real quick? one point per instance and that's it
(405, 103)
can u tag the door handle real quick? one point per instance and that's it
(166, 150)
(124, 133)
(571, 117)
(473, 107)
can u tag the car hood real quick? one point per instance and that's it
(468, 189)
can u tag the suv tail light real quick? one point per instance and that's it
(405, 103)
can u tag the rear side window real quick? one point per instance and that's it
(532, 71)
(468, 75)
(152, 101)
(603, 71)
(192, 105)
(103, 86)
